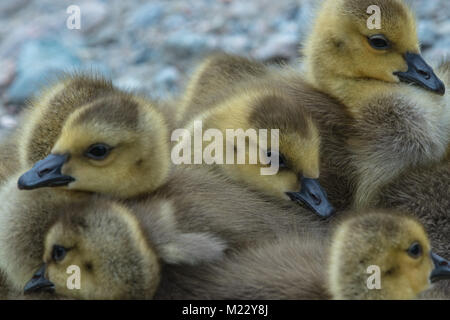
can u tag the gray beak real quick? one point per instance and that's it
(441, 269)
(313, 196)
(39, 283)
(45, 173)
(421, 74)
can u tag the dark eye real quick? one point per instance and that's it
(379, 42)
(89, 266)
(281, 159)
(415, 250)
(98, 151)
(58, 253)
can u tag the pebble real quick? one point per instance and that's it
(8, 121)
(10, 7)
(280, 45)
(444, 29)
(236, 43)
(428, 9)
(146, 15)
(128, 83)
(427, 32)
(39, 62)
(245, 9)
(183, 44)
(439, 50)
(167, 77)
(93, 15)
(8, 69)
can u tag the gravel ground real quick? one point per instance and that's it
(152, 46)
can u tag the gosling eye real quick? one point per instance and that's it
(415, 250)
(58, 253)
(98, 151)
(379, 42)
(281, 159)
(89, 266)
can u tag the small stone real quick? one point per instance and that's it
(174, 21)
(39, 62)
(443, 45)
(305, 19)
(426, 32)
(183, 44)
(237, 44)
(167, 77)
(287, 27)
(8, 122)
(144, 55)
(8, 70)
(93, 14)
(243, 9)
(439, 50)
(104, 36)
(280, 45)
(428, 9)
(8, 8)
(444, 29)
(292, 12)
(127, 83)
(146, 15)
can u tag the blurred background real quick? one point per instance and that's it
(152, 46)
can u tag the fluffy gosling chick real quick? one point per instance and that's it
(24, 219)
(398, 125)
(293, 151)
(116, 144)
(351, 62)
(117, 256)
(223, 79)
(397, 244)
(46, 113)
(300, 266)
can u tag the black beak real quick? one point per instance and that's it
(39, 283)
(420, 73)
(313, 196)
(45, 173)
(441, 269)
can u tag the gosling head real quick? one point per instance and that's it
(103, 243)
(286, 160)
(116, 145)
(393, 246)
(343, 54)
(117, 252)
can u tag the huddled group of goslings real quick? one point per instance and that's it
(87, 178)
